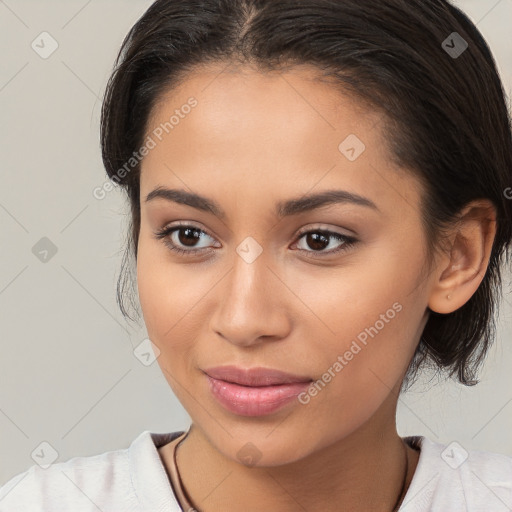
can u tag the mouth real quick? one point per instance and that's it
(254, 377)
(255, 391)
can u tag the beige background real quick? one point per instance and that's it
(68, 374)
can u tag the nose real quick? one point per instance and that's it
(253, 305)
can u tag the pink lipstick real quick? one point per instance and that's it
(254, 391)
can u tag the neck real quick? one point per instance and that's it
(363, 471)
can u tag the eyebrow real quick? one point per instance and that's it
(283, 208)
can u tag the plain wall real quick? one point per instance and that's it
(68, 372)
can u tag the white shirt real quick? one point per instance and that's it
(447, 479)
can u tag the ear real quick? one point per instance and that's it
(459, 273)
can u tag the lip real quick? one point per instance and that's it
(256, 376)
(254, 391)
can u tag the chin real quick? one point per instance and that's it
(264, 446)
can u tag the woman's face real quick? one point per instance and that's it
(258, 291)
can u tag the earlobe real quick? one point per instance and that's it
(459, 275)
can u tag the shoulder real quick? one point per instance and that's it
(451, 477)
(97, 482)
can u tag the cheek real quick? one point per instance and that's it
(359, 366)
(162, 292)
(167, 298)
(170, 295)
(362, 325)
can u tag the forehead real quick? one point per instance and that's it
(267, 131)
(298, 99)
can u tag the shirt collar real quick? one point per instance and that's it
(149, 478)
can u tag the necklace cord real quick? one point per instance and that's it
(404, 482)
(395, 507)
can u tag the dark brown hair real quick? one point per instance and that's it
(447, 120)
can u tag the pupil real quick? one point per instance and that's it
(313, 241)
(193, 238)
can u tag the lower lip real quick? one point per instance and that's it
(254, 401)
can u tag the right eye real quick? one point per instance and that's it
(178, 236)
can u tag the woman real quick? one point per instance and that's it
(316, 216)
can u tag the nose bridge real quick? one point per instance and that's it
(247, 309)
(249, 281)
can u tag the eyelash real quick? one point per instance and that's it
(164, 235)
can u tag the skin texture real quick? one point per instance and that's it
(253, 140)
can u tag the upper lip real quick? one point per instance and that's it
(256, 376)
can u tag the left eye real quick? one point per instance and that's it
(319, 240)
